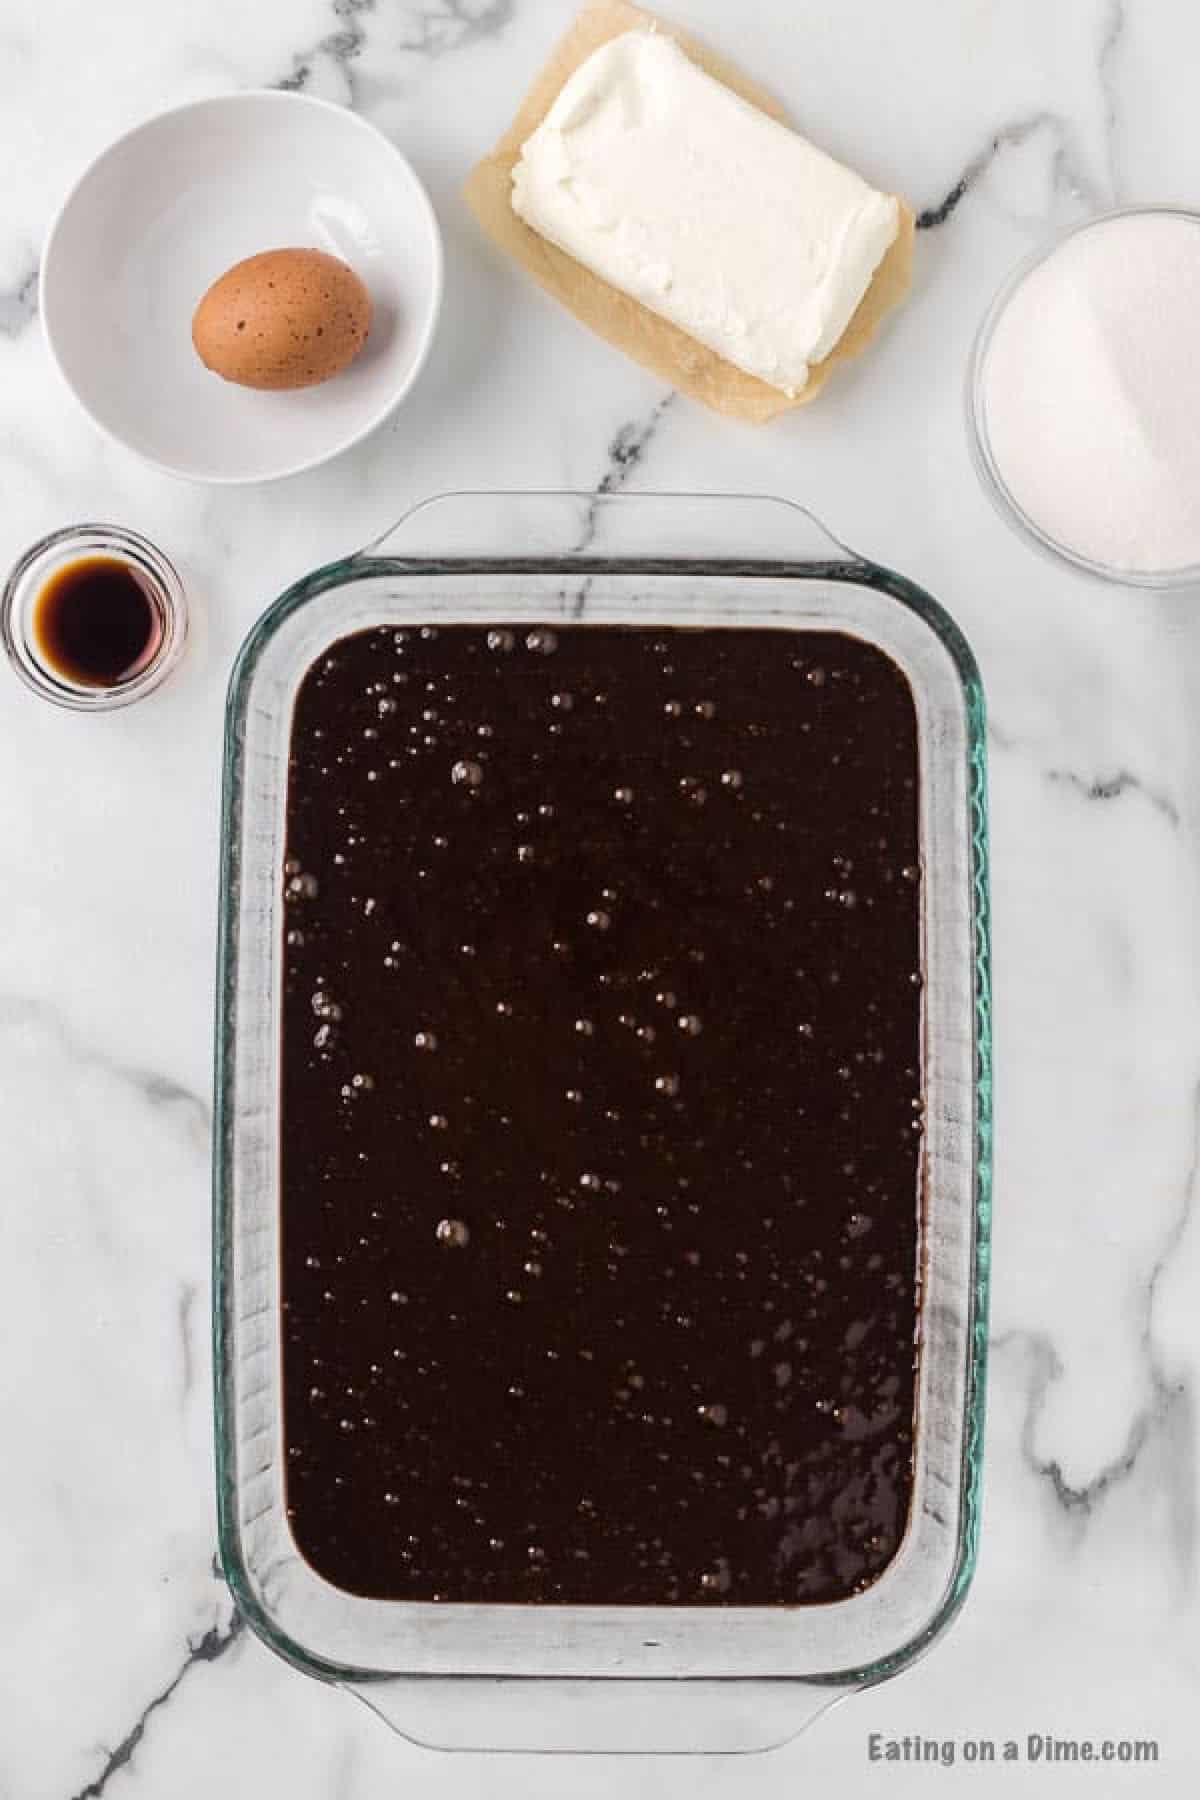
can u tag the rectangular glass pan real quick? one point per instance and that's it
(554, 1677)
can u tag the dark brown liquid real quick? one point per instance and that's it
(95, 623)
(601, 1115)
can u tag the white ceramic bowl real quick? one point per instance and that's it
(169, 207)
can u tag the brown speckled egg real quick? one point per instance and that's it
(282, 319)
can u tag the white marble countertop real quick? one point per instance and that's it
(121, 1671)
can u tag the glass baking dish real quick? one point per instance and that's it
(548, 1677)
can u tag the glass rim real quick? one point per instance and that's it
(983, 459)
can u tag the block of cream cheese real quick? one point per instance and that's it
(715, 216)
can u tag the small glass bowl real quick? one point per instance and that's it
(986, 467)
(75, 543)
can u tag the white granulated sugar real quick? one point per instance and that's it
(1091, 394)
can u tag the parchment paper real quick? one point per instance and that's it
(654, 342)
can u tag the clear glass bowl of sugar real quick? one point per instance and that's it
(1083, 398)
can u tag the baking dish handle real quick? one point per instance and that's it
(599, 1716)
(647, 527)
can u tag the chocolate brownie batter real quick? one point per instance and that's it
(601, 1114)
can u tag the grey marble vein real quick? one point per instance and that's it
(207, 1649)
(341, 46)
(1047, 1368)
(626, 451)
(1068, 172)
(1112, 787)
(19, 305)
(930, 217)
(1098, 788)
(431, 30)
(1168, 1418)
(188, 1294)
(1178, 1228)
(1115, 23)
(444, 25)
(1175, 1400)
(629, 445)
(159, 1090)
